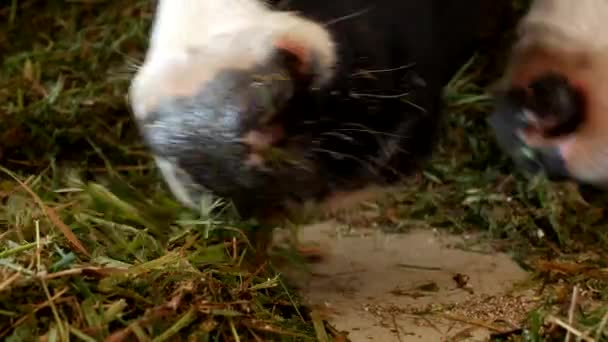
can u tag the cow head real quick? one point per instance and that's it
(552, 114)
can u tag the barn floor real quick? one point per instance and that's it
(422, 285)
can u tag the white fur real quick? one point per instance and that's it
(578, 28)
(176, 179)
(192, 40)
(570, 24)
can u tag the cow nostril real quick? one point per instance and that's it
(557, 104)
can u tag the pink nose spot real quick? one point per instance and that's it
(263, 138)
(566, 147)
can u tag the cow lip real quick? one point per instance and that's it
(510, 122)
(264, 137)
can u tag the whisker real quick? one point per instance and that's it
(346, 17)
(378, 96)
(364, 72)
(337, 155)
(366, 129)
(339, 135)
(373, 132)
(415, 105)
(389, 148)
(133, 65)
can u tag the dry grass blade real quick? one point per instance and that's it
(572, 330)
(7, 283)
(319, 325)
(573, 304)
(79, 182)
(20, 321)
(471, 321)
(154, 270)
(51, 214)
(601, 329)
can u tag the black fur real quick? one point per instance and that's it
(356, 131)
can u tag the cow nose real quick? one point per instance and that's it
(508, 121)
(215, 134)
(217, 137)
(213, 124)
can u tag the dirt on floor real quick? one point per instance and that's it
(415, 286)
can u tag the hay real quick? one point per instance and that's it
(93, 247)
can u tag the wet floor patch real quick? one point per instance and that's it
(415, 286)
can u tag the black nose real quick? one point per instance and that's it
(549, 106)
(214, 136)
(558, 105)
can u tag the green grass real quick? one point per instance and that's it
(140, 266)
(137, 263)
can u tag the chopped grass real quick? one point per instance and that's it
(93, 247)
(148, 272)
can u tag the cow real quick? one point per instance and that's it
(549, 113)
(275, 104)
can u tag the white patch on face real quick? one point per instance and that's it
(588, 165)
(583, 23)
(192, 40)
(176, 180)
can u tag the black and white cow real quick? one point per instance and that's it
(272, 104)
(552, 115)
